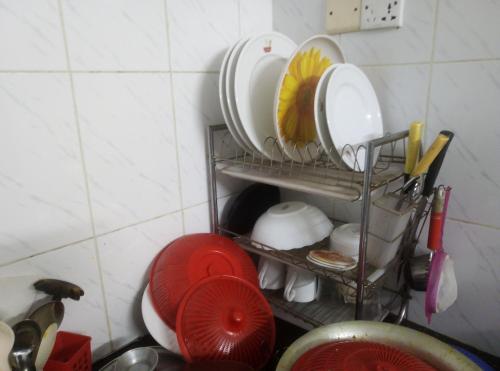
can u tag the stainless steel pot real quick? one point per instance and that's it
(417, 271)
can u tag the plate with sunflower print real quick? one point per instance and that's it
(294, 99)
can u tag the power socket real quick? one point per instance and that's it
(381, 14)
(342, 16)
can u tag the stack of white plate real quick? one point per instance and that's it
(332, 260)
(283, 102)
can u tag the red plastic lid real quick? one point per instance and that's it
(188, 260)
(359, 356)
(226, 318)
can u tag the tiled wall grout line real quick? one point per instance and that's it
(85, 174)
(381, 65)
(470, 222)
(412, 64)
(108, 71)
(174, 116)
(46, 251)
(238, 4)
(431, 69)
(116, 230)
(138, 223)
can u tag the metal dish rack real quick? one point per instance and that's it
(318, 174)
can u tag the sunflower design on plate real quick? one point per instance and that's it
(296, 97)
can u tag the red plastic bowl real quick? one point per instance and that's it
(188, 260)
(359, 356)
(226, 318)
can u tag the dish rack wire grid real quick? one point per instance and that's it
(316, 166)
(317, 173)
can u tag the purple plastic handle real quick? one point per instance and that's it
(435, 272)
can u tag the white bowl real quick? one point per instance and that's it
(291, 225)
(163, 335)
(345, 240)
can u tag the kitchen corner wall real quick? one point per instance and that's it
(103, 110)
(442, 67)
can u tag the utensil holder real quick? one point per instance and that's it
(386, 228)
(71, 353)
(386, 222)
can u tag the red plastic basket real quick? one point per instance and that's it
(71, 353)
(188, 260)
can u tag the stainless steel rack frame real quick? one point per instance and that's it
(318, 174)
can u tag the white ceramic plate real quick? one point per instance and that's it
(353, 114)
(156, 327)
(257, 71)
(231, 100)
(320, 117)
(340, 268)
(224, 101)
(302, 144)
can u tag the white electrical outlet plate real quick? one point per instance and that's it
(342, 16)
(381, 14)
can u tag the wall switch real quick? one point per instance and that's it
(342, 16)
(381, 14)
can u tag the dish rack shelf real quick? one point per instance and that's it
(318, 174)
(297, 258)
(328, 310)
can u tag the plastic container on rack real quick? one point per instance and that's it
(71, 352)
(387, 226)
(380, 252)
(371, 294)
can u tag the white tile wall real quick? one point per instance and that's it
(126, 256)
(201, 31)
(464, 98)
(196, 107)
(42, 188)
(100, 102)
(129, 144)
(196, 218)
(442, 67)
(256, 16)
(467, 30)
(409, 44)
(38, 43)
(116, 35)
(299, 19)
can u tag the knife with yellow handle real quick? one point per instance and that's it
(414, 143)
(430, 155)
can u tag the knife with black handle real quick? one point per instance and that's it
(435, 166)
